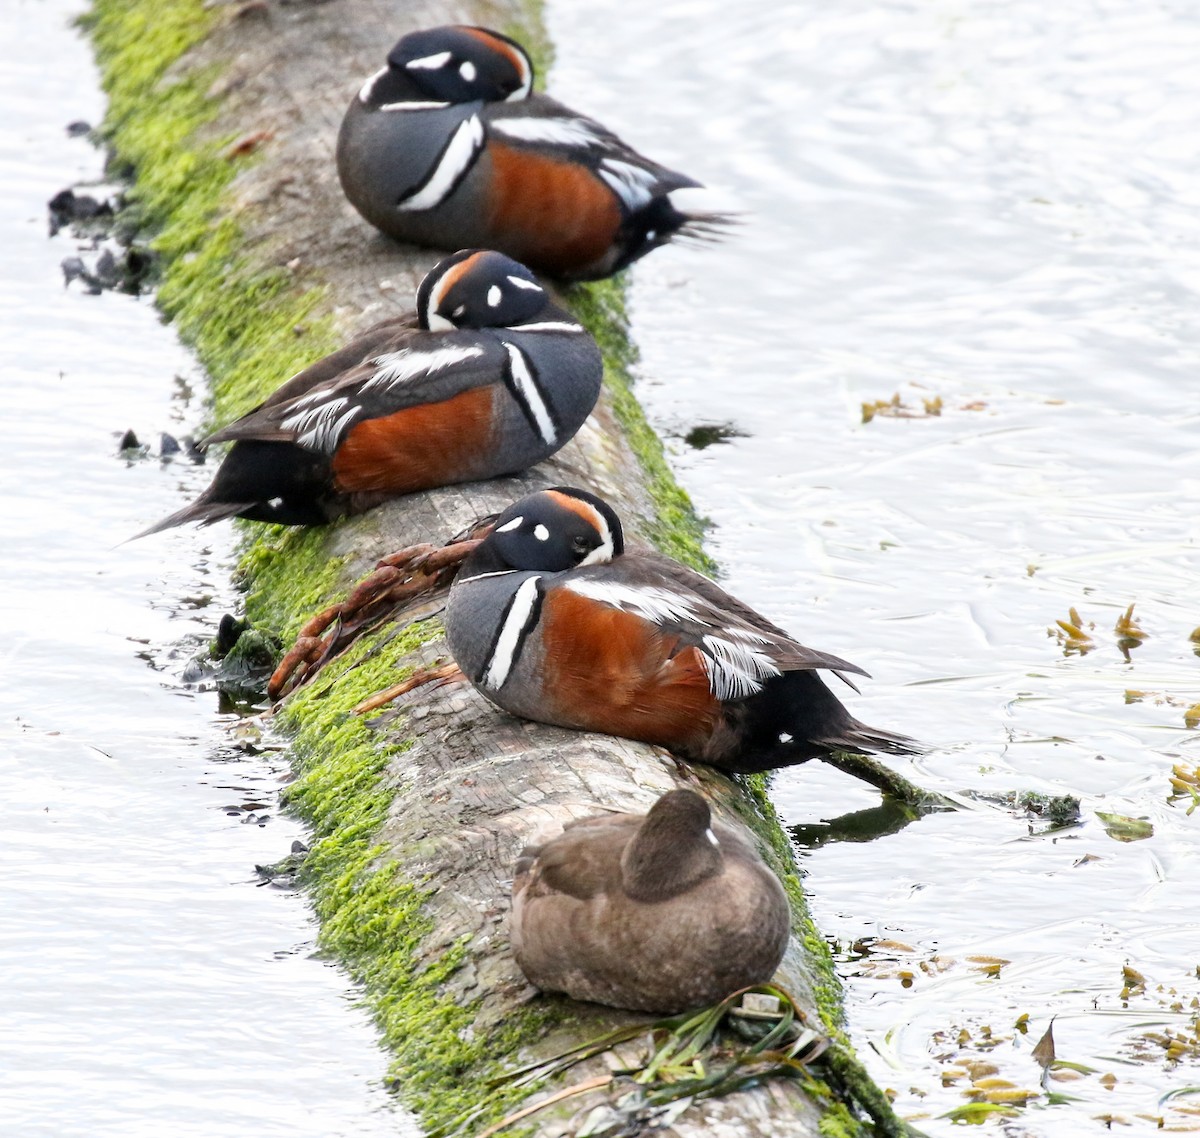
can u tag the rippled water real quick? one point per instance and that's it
(149, 987)
(995, 205)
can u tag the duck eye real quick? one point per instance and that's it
(458, 312)
(580, 544)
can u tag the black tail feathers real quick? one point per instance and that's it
(204, 511)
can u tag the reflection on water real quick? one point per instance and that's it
(990, 212)
(888, 817)
(149, 986)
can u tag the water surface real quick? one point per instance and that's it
(149, 986)
(994, 205)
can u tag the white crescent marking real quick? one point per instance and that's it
(530, 394)
(511, 635)
(463, 148)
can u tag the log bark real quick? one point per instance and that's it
(463, 787)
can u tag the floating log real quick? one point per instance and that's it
(225, 115)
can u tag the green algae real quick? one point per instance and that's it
(849, 1079)
(372, 918)
(288, 574)
(250, 326)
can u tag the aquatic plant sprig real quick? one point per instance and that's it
(692, 1058)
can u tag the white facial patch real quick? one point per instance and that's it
(429, 62)
(604, 551)
(461, 151)
(784, 737)
(407, 365)
(552, 132)
(508, 527)
(508, 643)
(541, 532)
(467, 71)
(529, 394)
(494, 296)
(521, 282)
(526, 69)
(712, 837)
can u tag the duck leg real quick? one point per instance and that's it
(397, 579)
(441, 676)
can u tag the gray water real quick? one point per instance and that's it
(997, 205)
(147, 985)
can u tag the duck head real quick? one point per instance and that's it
(477, 288)
(549, 532)
(675, 849)
(456, 63)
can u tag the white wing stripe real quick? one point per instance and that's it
(508, 643)
(547, 326)
(555, 132)
(735, 671)
(650, 602)
(325, 436)
(412, 106)
(632, 184)
(734, 668)
(456, 159)
(406, 365)
(320, 428)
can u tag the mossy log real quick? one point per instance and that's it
(226, 117)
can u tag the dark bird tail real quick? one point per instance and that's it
(708, 227)
(858, 738)
(203, 510)
(796, 718)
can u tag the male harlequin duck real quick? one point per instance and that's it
(487, 378)
(448, 145)
(551, 620)
(658, 912)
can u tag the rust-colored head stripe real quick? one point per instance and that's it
(453, 275)
(500, 45)
(585, 510)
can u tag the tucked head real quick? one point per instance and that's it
(557, 529)
(674, 850)
(477, 288)
(459, 64)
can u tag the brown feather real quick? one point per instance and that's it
(558, 213)
(418, 447)
(616, 672)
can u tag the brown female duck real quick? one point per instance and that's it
(657, 912)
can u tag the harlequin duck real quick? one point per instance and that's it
(657, 912)
(487, 378)
(553, 621)
(448, 145)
